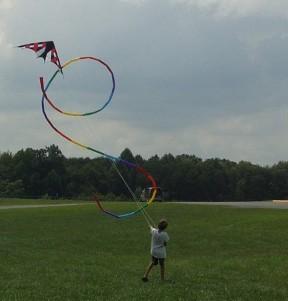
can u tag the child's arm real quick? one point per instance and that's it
(166, 239)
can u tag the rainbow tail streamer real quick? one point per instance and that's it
(139, 169)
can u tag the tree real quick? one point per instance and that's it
(54, 184)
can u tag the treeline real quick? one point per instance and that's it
(47, 173)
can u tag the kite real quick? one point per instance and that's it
(45, 47)
(42, 49)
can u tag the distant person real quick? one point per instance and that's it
(159, 241)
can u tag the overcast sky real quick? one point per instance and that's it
(203, 77)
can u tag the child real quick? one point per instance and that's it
(158, 248)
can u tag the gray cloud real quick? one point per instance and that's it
(205, 77)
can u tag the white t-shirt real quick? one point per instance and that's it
(158, 240)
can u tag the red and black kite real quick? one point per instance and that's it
(42, 49)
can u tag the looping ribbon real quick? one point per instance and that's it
(131, 165)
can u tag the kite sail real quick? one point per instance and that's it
(42, 49)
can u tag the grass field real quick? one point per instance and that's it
(76, 253)
(15, 202)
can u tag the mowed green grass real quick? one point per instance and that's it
(16, 202)
(77, 253)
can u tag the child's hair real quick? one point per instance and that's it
(162, 225)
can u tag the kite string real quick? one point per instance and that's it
(147, 217)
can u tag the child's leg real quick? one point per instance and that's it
(148, 270)
(154, 261)
(162, 268)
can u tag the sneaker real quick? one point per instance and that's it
(144, 279)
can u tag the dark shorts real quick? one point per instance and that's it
(156, 260)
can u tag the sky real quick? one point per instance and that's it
(199, 77)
